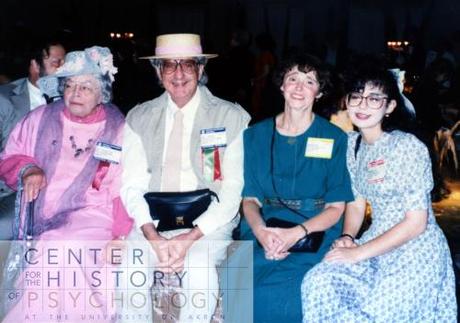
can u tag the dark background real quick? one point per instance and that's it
(358, 25)
(334, 30)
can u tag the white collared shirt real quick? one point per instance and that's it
(35, 95)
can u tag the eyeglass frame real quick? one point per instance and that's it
(365, 98)
(81, 86)
(179, 62)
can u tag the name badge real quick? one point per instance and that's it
(319, 147)
(107, 152)
(213, 137)
(376, 171)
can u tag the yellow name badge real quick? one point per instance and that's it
(319, 148)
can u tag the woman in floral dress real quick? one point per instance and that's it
(400, 270)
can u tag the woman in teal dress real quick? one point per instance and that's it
(297, 157)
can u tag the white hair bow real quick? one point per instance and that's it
(400, 77)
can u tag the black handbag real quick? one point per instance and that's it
(178, 210)
(312, 241)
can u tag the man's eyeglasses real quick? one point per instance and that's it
(84, 88)
(373, 101)
(187, 65)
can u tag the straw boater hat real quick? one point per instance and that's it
(178, 46)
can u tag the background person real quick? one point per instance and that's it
(17, 98)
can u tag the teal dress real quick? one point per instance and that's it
(276, 293)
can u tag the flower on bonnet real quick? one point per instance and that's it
(104, 59)
(74, 66)
(94, 60)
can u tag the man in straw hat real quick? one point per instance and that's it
(182, 142)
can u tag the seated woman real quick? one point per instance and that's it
(65, 157)
(400, 270)
(294, 170)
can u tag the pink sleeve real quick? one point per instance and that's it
(19, 149)
(122, 223)
(11, 166)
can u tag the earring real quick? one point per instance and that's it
(387, 115)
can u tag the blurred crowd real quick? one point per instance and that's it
(243, 73)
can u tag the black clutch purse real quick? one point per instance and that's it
(310, 243)
(178, 210)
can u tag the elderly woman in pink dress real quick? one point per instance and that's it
(65, 157)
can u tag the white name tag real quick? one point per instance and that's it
(376, 171)
(319, 147)
(107, 152)
(213, 137)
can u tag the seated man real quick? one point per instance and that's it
(185, 140)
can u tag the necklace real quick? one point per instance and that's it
(78, 151)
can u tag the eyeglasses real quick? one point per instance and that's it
(373, 101)
(83, 88)
(188, 66)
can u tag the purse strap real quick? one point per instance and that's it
(272, 162)
(357, 144)
(213, 194)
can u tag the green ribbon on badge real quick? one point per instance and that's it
(208, 163)
(211, 164)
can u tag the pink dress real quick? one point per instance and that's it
(67, 278)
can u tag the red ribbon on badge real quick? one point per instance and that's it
(101, 171)
(217, 170)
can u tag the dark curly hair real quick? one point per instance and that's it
(374, 74)
(305, 63)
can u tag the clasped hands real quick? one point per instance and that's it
(171, 252)
(277, 241)
(344, 251)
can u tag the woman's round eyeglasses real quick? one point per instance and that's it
(372, 101)
(85, 88)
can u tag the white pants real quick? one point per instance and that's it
(197, 288)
